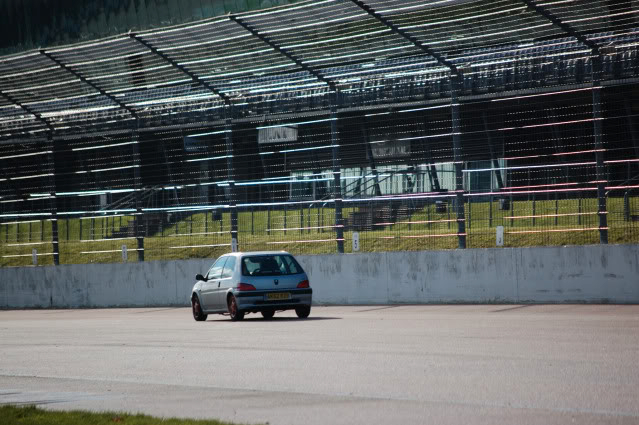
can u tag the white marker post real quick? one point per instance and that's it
(355, 241)
(233, 244)
(125, 255)
(500, 235)
(34, 255)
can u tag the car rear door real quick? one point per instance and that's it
(211, 286)
(226, 282)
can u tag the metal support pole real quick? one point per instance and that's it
(228, 131)
(457, 158)
(631, 128)
(371, 160)
(432, 169)
(596, 110)
(337, 183)
(53, 205)
(490, 211)
(137, 185)
(493, 154)
(599, 149)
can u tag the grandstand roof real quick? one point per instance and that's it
(309, 55)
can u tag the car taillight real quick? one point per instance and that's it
(245, 287)
(304, 284)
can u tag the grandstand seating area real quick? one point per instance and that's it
(451, 102)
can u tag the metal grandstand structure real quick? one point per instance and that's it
(359, 115)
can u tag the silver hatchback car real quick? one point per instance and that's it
(251, 282)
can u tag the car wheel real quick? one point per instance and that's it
(234, 312)
(303, 312)
(198, 314)
(268, 314)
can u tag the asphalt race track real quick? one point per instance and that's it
(482, 364)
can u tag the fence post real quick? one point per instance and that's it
(458, 159)
(137, 185)
(228, 132)
(490, 211)
(579, 210)
(556, 209)
(626, 206)
(512, 211)
(54, 208)
(597, 118)
(337, 181)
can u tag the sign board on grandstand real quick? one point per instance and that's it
(277, 134)
(391, 149)
(194, 144)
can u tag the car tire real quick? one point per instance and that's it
(268, 314)
(234, 311)
(303, 312)
(198, 314)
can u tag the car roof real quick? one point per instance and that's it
(251, 253)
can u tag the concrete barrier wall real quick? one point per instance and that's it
(516, 275)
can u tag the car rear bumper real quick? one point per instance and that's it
(258, 300)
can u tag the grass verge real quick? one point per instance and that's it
(310, 231)
(31, 415)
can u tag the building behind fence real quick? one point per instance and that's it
(326, 127)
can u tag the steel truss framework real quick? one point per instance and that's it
(313, 58)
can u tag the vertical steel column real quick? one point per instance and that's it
(137, 186)
(53, 204)
(432, 169)
(493, 154)
(337, 180)
(457, 158)
(371, 159)
(596, 110)
(228, 134)
(599, 149)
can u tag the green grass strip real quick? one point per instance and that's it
(31, 415)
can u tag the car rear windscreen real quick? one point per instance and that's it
(270, 265)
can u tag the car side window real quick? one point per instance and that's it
(216, 271)
(229, 266)
(291, 265)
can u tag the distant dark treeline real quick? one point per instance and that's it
(28, 24)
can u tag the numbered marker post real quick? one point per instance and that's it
(34, 255)
(355, 241)
(125, 254)
(500, 235)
